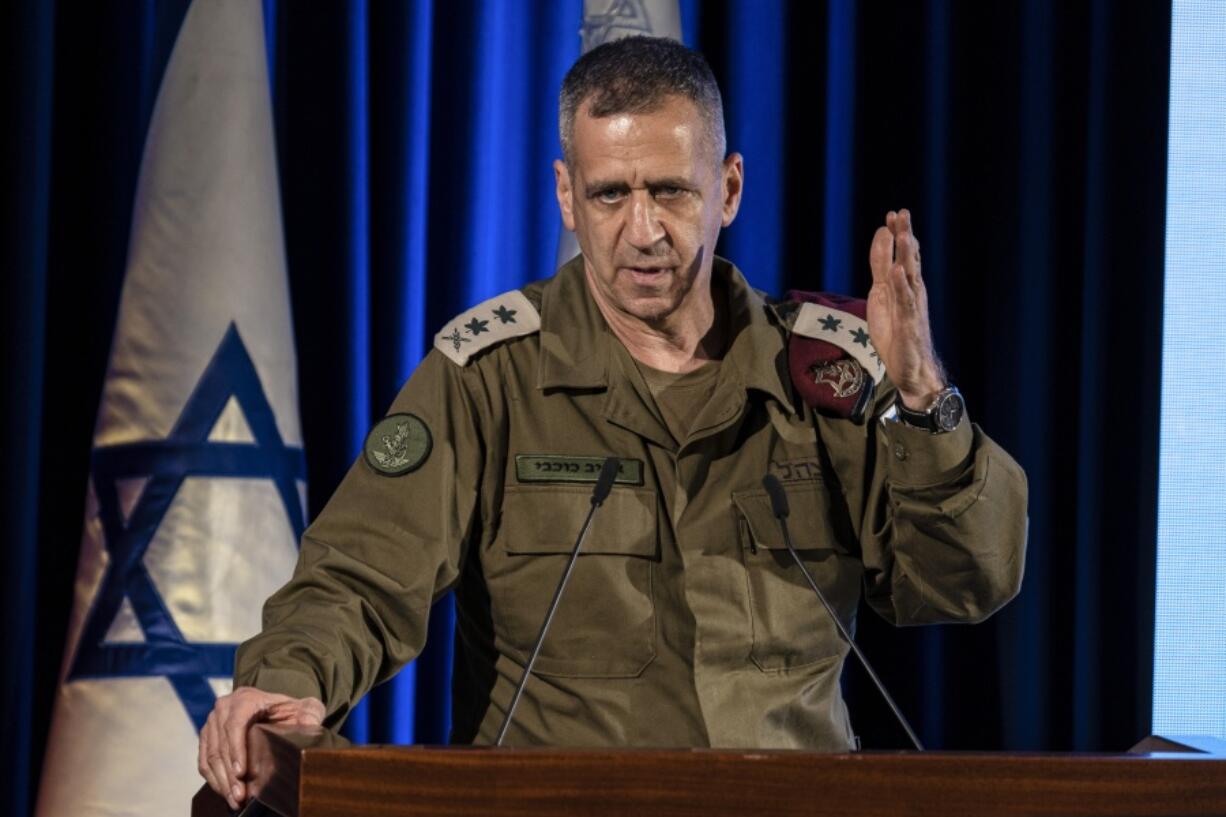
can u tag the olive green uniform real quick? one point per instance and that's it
(684, 623)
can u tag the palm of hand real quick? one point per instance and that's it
(898, 313)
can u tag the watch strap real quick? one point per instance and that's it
(930, 418)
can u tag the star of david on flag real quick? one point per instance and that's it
(196, 494)
(186, 452)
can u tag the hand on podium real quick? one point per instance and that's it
(222, 759)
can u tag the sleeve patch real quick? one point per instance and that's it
(510, 315)
(398, 444)
(844, 330)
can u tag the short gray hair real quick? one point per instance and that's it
(636, 75)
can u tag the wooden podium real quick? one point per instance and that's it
(312, 773)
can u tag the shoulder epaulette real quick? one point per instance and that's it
(491, 322)
(832, 318)
(831, 358)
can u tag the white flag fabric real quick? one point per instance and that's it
(197, 479)
(606, 20)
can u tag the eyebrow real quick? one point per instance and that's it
(597, 187)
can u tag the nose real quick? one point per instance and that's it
(644, 229)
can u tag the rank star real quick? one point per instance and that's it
(476, 327)
(861, 337)
(505, 315)
(830, 323)
(456, 338)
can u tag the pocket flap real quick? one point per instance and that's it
(546, 519)
(808, 522)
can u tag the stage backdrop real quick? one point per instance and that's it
(414, 141)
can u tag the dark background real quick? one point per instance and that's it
(1029, 139)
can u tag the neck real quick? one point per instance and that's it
(681, 342)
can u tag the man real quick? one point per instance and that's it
(684, 623)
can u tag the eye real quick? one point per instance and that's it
(609, 195)
(668, 192)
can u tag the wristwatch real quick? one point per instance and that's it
(943, 415)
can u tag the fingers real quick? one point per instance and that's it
(211, 764)
(313, 712)
(202, 762)
(297, 711)
(907, 245)
(234, 742)
(900, 286)
(894, 258)
(898, 305)
(222, 758)
(881, 254)
(899, 221)
(907, 253)
(904, 222)
(903, 277)
(906, 248)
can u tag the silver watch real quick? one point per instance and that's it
(943, 415)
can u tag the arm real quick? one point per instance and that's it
(370, 567)
(374, 561)
(943, 520)
(943, 531)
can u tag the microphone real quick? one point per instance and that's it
(604, 484)
(779, 506)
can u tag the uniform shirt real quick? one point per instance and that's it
(676, 398)
(685, 623)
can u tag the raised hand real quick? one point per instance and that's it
(898, 313)
(222, 759)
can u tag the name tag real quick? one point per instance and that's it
(550, 468)
(796, 470)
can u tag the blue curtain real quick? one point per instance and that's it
(414, 142)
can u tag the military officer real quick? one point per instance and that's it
(685, 623)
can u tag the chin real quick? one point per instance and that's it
(659, 297)
(651, 310)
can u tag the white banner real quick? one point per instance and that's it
(196, 490)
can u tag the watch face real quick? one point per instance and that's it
(949, 411)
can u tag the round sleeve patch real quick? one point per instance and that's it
(398, 444)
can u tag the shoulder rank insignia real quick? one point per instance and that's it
(398, 444)
(832, 360)
(507, 316)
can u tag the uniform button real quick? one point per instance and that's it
(900, 451)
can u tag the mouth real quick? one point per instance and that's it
(647, 273)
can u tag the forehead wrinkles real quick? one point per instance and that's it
(636, 148)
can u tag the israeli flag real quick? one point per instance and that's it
(196, 492)
(608, 20)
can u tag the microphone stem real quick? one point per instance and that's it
(838, 622)
(540, 639)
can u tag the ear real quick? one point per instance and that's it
(565, 194)
(732, 185)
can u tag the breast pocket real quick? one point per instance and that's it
(791, 628)
(605, 625)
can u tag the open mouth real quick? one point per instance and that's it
(648, 279)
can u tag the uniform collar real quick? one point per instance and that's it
(575, 338)
(759, 350)
(574, 335)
